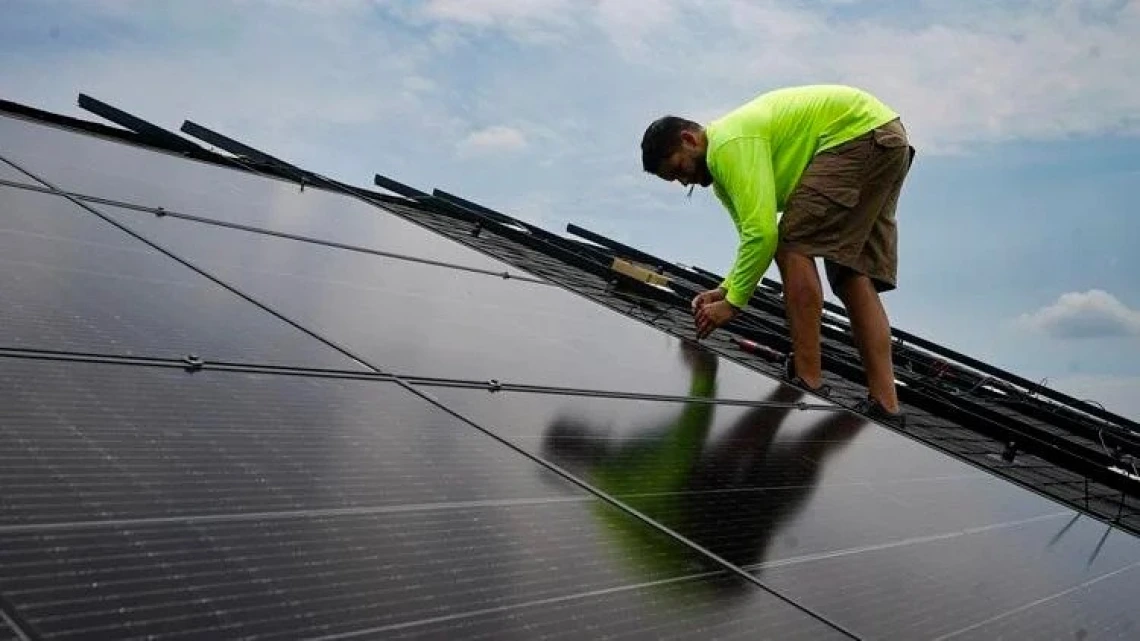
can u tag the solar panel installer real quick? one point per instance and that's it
(833, 159)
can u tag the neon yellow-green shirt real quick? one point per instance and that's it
(757, 152)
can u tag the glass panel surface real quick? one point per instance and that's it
(6, 632)
(1100, 608)
(421, 320)
(1023, 580)
(373, 576)
(143, 442)
(868, 528)
(95, 166)
(141, 501)
(73, 282)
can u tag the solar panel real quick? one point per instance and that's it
(144, 501)
(869, 528)
(422, 320)
(561, 469)
(72, 282)
(107, 169)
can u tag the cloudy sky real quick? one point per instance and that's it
(1018, 226)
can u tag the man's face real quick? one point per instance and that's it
(686, 164)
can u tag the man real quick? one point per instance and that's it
(833, 159)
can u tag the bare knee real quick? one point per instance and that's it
(784, 260)
(804, 289)
(855, 289)
(799, 273)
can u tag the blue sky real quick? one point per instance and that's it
(1017, 227)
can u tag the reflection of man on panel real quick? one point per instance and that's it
(833, 159)
(707, 492)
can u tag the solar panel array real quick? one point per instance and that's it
(232, 406)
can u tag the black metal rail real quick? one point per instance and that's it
(150, 133)
(481, 222)
(1118, 433)
(711, 280)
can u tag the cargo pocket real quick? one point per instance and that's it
(817, 211)
(837, 174)
(890, 136)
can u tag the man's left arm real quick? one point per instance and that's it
(744, 170)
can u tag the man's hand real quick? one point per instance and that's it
(705, 298)
(714, 315)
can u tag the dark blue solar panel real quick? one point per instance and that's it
(869, 528)
(148, 502)
(93, 166)
(73, 282)
(422, 320)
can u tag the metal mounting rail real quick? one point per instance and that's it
(711, 280)
(482, 222)
(570, 244)
(147, 130)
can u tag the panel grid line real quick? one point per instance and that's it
(917, 540)
(493, 386)
(162, 213)
(452, 505)
(517, 606)
(1041, 601)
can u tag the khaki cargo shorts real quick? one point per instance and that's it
(843, 209)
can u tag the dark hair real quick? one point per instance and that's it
(661, 139)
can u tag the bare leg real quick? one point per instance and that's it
(872, 336)
(803, 304)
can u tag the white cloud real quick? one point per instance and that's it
(1091, 314)
(534, 21)
(492, 140)
(239, 69)
(484, 12)
(627, 23)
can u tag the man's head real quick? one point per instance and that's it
(673, 149)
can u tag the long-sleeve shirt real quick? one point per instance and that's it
(757, 153)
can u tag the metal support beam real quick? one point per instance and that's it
(711, 280)
(155, 134)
